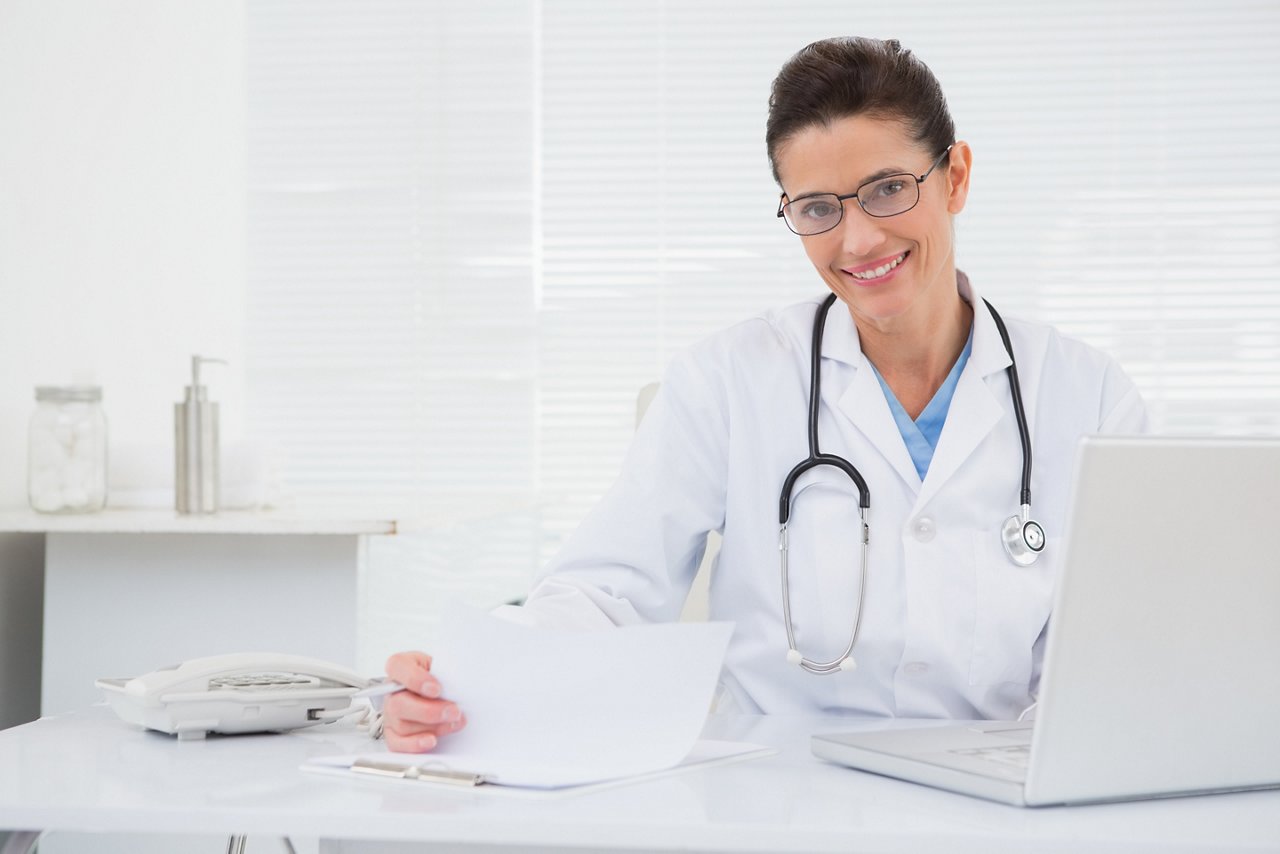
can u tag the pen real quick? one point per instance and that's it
(381, 689)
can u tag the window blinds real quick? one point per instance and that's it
(477, 229)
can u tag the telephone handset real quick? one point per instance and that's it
(237, 693)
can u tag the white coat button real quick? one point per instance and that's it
(915, 668)
(923, 529)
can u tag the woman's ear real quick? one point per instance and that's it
(959, 168)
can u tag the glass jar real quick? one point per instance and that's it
(67, 450)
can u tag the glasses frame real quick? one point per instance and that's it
(919, 179)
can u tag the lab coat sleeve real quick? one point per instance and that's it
(634, 557)
(1123, 410)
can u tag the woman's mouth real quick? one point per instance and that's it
(877, 271)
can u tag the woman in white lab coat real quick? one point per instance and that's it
(915, 393)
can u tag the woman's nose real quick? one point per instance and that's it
(860, 232)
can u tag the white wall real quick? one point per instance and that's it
(122, 237)
(121, 209)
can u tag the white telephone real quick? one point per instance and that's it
(238, 693)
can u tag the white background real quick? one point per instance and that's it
(122, 150)
(443, 245)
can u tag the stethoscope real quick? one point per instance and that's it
(1022, 536)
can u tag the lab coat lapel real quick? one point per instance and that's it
(863, 401)
(976, 408)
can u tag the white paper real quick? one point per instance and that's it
(548, 708)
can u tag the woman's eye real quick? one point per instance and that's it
(818, 210)
(888, 188)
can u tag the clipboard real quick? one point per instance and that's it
(446, 775)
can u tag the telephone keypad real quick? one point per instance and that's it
(264, 680)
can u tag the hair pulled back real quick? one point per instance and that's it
(840, 77)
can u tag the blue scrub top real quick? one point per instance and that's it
(921, 435)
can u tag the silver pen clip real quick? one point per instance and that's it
(417, 772)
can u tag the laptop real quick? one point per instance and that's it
(1162, 665)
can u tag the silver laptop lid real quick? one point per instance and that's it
(1162, 672)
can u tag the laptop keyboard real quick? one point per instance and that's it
(1013, 755)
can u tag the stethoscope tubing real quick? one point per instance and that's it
(817, 459)
(1019, 413)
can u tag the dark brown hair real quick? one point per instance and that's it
(848, 76)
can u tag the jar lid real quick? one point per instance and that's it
(69, 393)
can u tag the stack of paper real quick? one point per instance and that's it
(549, 709)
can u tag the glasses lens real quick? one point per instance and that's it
(813, 214)
(889, 196)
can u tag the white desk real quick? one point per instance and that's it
(124, 586)
(89, 772)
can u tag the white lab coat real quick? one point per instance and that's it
(950, 626)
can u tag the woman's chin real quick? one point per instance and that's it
(878, 307)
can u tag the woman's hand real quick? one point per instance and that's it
(413, 720)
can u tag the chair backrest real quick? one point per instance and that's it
(644, 399)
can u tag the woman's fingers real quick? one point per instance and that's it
(419, 743)
(413, 710)
(408, 737)
(413, 671)
(416, 718)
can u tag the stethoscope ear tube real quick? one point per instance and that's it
(845, 660)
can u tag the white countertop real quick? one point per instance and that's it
(90, 771)
(109, 521)
(420, 517)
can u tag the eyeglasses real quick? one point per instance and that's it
(887, 196)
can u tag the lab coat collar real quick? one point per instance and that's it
(989, 355)
(974, 411)
(863, 401)
(979, 401)
(840, 340)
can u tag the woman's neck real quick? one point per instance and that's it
(916, 351)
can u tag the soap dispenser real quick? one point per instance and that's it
(195, 426)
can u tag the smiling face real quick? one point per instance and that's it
(888, 270)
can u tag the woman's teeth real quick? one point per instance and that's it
(881, 270)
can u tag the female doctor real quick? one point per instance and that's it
(890, 508)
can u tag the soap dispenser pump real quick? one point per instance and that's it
(195, 425)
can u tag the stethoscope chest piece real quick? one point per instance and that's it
(1023, 538)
